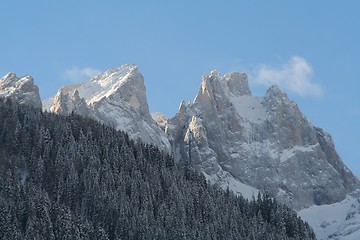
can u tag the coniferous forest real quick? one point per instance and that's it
(74, 178)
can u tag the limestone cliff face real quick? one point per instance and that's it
(116, 98)
(22, 90)
(265, 142)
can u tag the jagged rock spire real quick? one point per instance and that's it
(23, 90)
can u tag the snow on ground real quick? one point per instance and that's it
(335, 221)
(240, 188)
(250, 108)
(234, 185)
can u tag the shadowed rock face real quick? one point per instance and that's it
(265, 142)
(22, 90)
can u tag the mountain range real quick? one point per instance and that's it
(238, 141)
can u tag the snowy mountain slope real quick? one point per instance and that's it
(264, 142)
(339, 220)
(116, 98)
(23, 90)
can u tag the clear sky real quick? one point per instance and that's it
(310, 48)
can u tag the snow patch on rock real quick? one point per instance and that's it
(250, 108)
(225, 181)
(287, 154)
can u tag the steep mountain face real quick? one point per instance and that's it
(22, 90)
(116, 98)
(265, 142)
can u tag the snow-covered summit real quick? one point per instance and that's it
(125, 79)
(22, 89)
(117, 98)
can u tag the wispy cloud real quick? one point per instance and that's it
(294, 76)
(77, 74)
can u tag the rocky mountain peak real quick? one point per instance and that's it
(125, 82)
(275, 95)
(237, 84)
(116, 77)
(265, 142)
(216, 90)
(182, 106)
(233, 83)
(22, 89)
(68, 102)
(117, 98)
(9, 79)
(76, 96)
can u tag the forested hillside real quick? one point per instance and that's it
(73, 178)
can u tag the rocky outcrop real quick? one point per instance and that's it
(22, 90)
(116, 98)
(264, 142)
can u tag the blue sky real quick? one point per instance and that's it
(310, 48)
